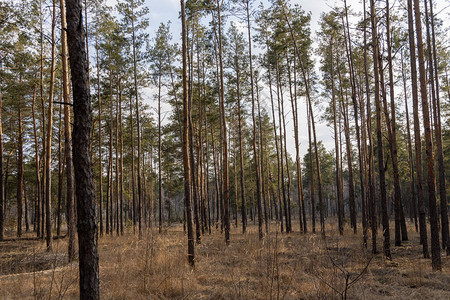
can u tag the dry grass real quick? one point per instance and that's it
(283, 266)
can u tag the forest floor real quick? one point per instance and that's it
(293, 266)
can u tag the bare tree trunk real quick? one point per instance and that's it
(280, 215)
(159, 154)
(439, 148)
(100, 156)
(2, 188)
(371, 173)
(25, 200)
(85, 192)
(417, 135)
(282, 149)
(300, 195)
(121, 162)
(241, 153)
(225, 167)
(48, 152)
(43, 122)
(312, 193)
(431, 178)
(381, 170)
(60, 175)
(339, 192)
(412, 187)
(138, 123)
(185, 148)
(348, 47)
(68, 137)
(400, 227)
(261, 163)
(255, 136)
(19, 174)
(37, 219)
(133, 186)
(351, 191)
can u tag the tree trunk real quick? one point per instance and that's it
(400, 227)
(68, 136)
(300, 195)
(48, 152)
(412, 186)
(439, 148)
(282, 150)
(19, 175)
(431, 178)
(185, 148)
(85, 193)
(37, 218)
(241, 153)
(255, 136)
(417, 135)
(225, 167)
(339, 192)
(381, 170)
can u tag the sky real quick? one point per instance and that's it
(168, 10)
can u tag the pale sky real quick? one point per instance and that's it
(165, 10)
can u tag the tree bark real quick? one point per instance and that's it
(48, 144)
(185, 145)
(381, 170)
(431, 178)
(417, 135)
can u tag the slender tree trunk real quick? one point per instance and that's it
(2, 188)
(133, 186)
(431, 178)
(60, 175)
(381, 170)
(312, 190)
(68, 136)
(159, 154)
(339, 192)
(100, 156)
(351, 190)
(288, 200)
(417, 135)
(278, 194)
(261, 163)
(348, 47)
(255, 153)
(400, 226)
(48, 170)
(241, 153)
(225, 167)
(43, 123)
(412, 187)
(371, 167)
(439, 147)
(280, 128)
(185, 148)
(138, 123)
(300, 195)
(25, 200)
(37, 219)
(121, 163)
(19, 174)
